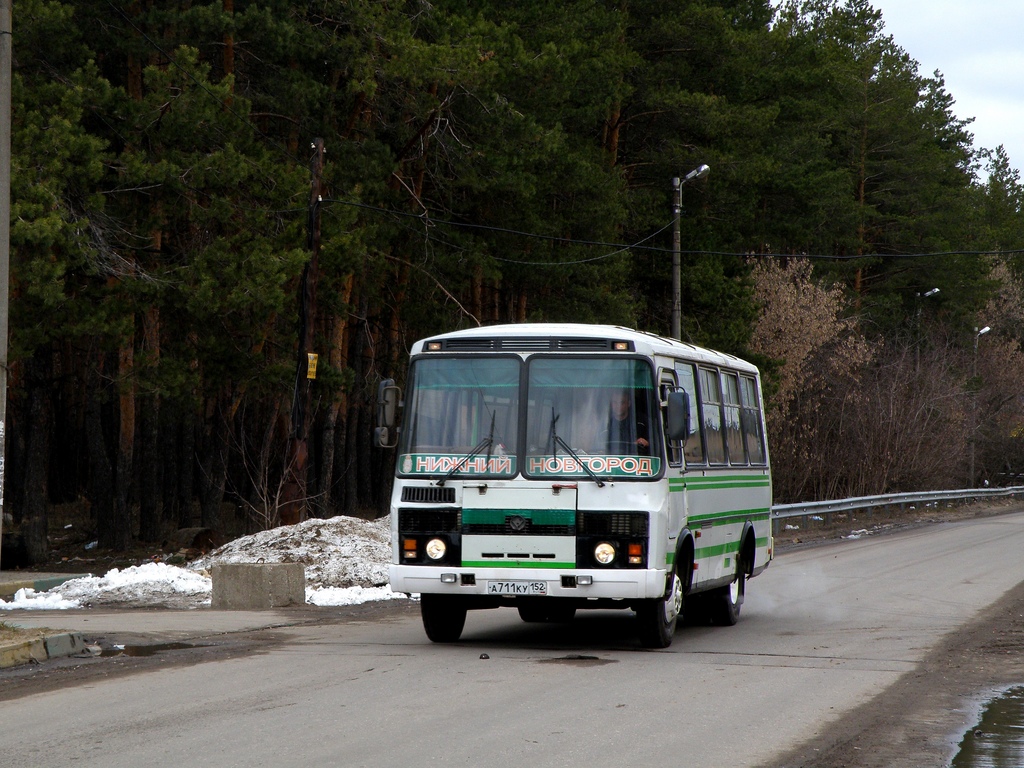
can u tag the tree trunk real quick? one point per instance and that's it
(184, 490)
(351, 448)
(477, 301)
(359, 428)
(229, 46)
(610, 134)
(121, 533)
(35, 519)
(149, 436)
(213, 475)
(337, 344)
(101, 472)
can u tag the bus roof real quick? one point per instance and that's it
(525, 338)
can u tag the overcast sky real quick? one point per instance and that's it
(978, 46)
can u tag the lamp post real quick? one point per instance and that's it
(978, 333)
(917, 329)
(677, 207)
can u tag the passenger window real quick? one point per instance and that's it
(753, 429)
(693, 448)
(711, 416)
(731, 412)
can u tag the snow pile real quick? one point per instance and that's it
(144, 584)
(346, 562)
(147, 584)
(31, 600)
(339, 552)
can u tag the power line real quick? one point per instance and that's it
(638, 246)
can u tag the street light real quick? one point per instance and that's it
(677, 207)
(917, 328)
(974, 400)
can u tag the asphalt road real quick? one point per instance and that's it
(828, 637)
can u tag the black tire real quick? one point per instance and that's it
(546, 612)
(696, 611)
(444, 617)
(657, 617)
(726, 602)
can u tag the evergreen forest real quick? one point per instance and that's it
(203, 192)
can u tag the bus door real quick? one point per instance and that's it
(667, 383)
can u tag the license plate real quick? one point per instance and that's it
(517, 588)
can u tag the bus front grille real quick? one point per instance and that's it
(429, 520)
(612, 524)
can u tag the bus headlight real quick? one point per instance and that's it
(604, 553)
(435, 549)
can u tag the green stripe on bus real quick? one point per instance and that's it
(715, 484)
(762, 513)
(676, 484)
(515, 564)
(536, 516)
(728, 548)
(714, 551)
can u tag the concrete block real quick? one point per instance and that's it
(65, 644)
(257, 586)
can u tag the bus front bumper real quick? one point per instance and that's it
(612, 584)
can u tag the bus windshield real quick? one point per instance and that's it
(597, 412)
(591, 417)
(463, 416)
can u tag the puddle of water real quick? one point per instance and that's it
(998, 740)
(578, 660)
(147, 650)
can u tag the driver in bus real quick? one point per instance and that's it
(627, 435)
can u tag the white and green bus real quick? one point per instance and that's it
(558, 467)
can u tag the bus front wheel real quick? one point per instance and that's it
(657, 617)
(443, 617)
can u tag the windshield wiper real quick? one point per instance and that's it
(487, 443)
(556, 441)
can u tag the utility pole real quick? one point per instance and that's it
(677, 208)
(978, 333)
(293, 492)
(677, 290)
(6, 42)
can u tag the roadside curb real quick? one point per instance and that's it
(41, 649)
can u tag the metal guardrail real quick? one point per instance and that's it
(784, 511)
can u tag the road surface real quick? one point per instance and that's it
(867, 652)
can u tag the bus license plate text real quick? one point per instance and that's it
(517, 588)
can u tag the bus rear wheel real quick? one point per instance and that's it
(444, 617)
(726, 602)
(657, 617)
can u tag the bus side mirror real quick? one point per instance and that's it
(387, 407)
(678, 417)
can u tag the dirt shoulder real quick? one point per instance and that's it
(920, 720)
(127, 653)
